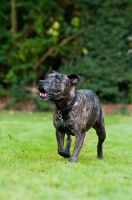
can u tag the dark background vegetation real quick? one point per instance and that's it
(90, 38)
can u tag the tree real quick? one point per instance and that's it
(92, 38)
(103, 54)
(35, 35)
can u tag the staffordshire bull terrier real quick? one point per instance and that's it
(75, 113)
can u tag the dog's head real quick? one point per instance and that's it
(56, 86)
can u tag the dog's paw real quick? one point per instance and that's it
(65, 154)
(100, 157)
(72, 159)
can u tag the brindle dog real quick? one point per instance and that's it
(75, 113)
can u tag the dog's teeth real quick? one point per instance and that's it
(43, 94)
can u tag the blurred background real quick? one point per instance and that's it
(89, 38)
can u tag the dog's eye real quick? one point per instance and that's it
(58, 78)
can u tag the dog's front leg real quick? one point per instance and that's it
(68, 143)
(60, 135)
(77, 147)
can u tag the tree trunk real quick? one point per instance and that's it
(13, 17)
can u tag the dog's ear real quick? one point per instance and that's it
(55, 72)
(74, 79)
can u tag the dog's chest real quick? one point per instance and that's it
(67, 123)
(61, 121)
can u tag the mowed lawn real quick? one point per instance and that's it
(31, 169)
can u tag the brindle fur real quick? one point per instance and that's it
(85, 113)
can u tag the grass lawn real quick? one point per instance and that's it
(31, 169)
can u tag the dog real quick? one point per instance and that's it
(75, 113)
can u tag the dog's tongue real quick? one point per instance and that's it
(43, 94)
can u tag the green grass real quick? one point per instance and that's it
(31, 169)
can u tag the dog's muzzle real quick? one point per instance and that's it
(44, 93)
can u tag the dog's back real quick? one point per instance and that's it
(93, 107)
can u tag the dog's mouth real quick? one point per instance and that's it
(43, 94)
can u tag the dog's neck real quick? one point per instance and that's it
(62, 104)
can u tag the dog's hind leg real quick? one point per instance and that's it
(100, 131)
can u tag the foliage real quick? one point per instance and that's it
(103, 55)
(41, 106)
(92, 38)
(31, 168)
